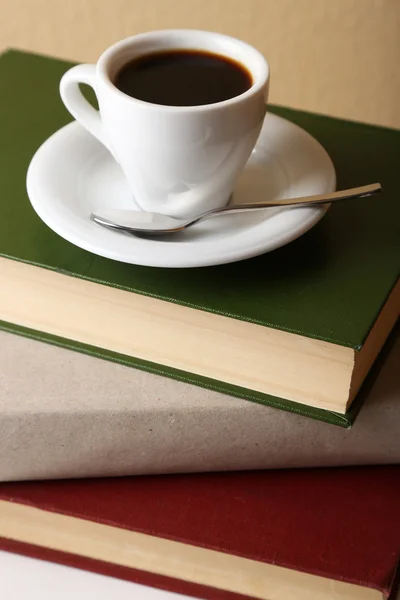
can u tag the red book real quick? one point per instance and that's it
(304, 534)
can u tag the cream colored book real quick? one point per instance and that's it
(70, 415)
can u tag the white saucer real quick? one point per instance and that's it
(72, 173)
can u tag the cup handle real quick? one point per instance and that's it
(77, 104)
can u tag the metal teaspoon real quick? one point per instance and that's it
(136, 221)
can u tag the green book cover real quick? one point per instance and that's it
(329, 285)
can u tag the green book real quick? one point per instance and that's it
(324, 304)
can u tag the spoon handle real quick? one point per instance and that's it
(358, 192)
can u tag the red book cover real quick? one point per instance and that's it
(221, 536)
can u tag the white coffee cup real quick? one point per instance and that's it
(177, 160)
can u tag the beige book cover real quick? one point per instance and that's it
(64, 414)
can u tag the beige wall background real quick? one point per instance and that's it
(338, 57)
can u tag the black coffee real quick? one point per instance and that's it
(183, 78)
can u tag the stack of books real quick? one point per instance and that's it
(285, 360)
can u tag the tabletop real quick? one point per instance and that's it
(45, 581)
(42, 580)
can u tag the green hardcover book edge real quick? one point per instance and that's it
(32, 111)
(343, 420)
